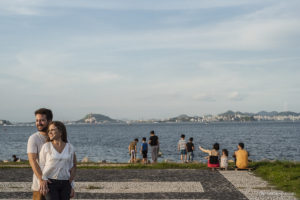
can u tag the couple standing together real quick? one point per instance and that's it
(51, 158)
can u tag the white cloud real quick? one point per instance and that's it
(20, 7)
(236, 96)
(50, 70)
(237, 34)
(205, 97)
(34, 7)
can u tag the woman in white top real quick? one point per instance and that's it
(58, 163)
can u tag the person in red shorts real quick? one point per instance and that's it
(213, 158)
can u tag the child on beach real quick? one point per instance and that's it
(190, 150)
(132, 150)
(224, 159)
(182, 148)
(144, 150)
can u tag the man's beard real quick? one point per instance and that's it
(43, 129)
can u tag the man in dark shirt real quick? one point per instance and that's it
(154, 143)
(190, 150)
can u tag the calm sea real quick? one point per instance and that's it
(264, 140)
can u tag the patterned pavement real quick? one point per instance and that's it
(130, 184)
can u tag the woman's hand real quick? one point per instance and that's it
(44, 187)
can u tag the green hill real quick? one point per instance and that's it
(97, 118)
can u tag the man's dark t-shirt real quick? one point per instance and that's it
(189, 146)
(154, 140)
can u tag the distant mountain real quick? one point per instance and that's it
(97, 118)
(265, 113)
(5, 122)
(261, 113)
(228, 113)
(288, 113)
(232, 113)
(182, 117)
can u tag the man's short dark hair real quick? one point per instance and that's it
(144, 139)
(45, 111)
(241, 145)
(136, 139)
(152, 132)
(182, 136)
(191, 139)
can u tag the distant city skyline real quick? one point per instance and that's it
(139, 59)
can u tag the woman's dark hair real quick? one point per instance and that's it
(144, 139)
(136, 139)
(45, 111)
(216, 146)
(182, 136)
(61, 128)
(152, 132)
(241, 145)
(225, 152)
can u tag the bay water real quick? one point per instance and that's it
(264, 140)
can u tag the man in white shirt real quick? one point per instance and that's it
(43, 117)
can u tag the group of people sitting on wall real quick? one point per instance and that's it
(215, 161)
(186, 150)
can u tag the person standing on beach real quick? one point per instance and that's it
(182, 148)
(58, 163)
(132, 150)
(144, 150)
(43, 117)
(154, 143)
(190, 150)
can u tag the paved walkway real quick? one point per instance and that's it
(147, 184)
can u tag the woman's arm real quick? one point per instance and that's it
(205, 150)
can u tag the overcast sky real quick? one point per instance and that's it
(142, 59)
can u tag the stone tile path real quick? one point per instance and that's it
(131, 184)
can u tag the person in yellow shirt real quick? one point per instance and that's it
(241, 156)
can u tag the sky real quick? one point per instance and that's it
(145, 59)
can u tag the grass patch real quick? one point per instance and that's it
(91, 187)
(284, 175)
(148, 166)
(23, 164)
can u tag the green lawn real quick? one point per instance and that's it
(285, 175)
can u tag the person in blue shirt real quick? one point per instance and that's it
(144, 150)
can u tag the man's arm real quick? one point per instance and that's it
(38, 172)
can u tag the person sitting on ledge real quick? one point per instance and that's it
(241, 156)
(213, 159)
(15, 158)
